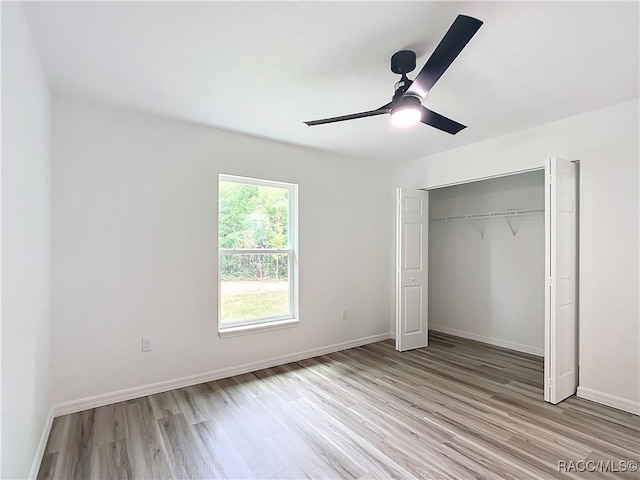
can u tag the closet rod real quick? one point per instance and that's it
(504, 213)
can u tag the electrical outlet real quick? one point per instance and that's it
(345, 314)
(146, 344)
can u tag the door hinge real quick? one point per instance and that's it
(550, 279)
(550, 179)
(549, 382)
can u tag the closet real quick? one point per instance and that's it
(494, 260)
(486, 261)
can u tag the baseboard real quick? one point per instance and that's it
(609, 400)
(150, 389)
(490, 340)
(42, 445)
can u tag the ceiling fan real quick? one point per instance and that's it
(406, 105)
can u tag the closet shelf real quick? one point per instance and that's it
(503, 213)
(506, 214)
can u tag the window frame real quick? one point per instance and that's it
(244, 326)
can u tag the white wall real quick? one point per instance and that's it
(606, 142)
(26, 245)
(135, 248)
(489, 289)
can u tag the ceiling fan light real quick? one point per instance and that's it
(405, 117)
(408, 112)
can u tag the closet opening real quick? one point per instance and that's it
(495, 261)
(486, 261)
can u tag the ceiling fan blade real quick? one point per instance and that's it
(380, 111)
(440, 122)
(456, 38)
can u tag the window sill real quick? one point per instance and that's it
(235, 331)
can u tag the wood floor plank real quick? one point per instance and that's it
(111, 461)
(59, 435)
(164, 404)
(48, 466)
(74, 456)
(265, 461)
(344, 443)
(187, 405)
(187, 456)
(145, 445)
(224, 456)
(457, 409)
(109, 424)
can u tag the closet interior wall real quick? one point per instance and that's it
(486, 275)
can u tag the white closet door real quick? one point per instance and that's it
(412, 221)
(560, 363)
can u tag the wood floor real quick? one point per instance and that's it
(457, 409)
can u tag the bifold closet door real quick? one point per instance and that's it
(560, 360)
(412, 226)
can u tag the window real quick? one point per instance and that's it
(257, 255)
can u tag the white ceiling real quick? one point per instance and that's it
(263, 68)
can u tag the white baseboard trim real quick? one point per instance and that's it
(144, 390)
(42, 445)
(609, 400)
(490, 340)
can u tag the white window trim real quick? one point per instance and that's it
(261, 324)
(265, 326)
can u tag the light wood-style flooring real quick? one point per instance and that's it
(456, 409)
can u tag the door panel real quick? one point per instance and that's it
(411, 269)
(412, 312)
(412, 246)
(561, 371)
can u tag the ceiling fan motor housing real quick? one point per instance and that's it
(403, 62)
(408, 101)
